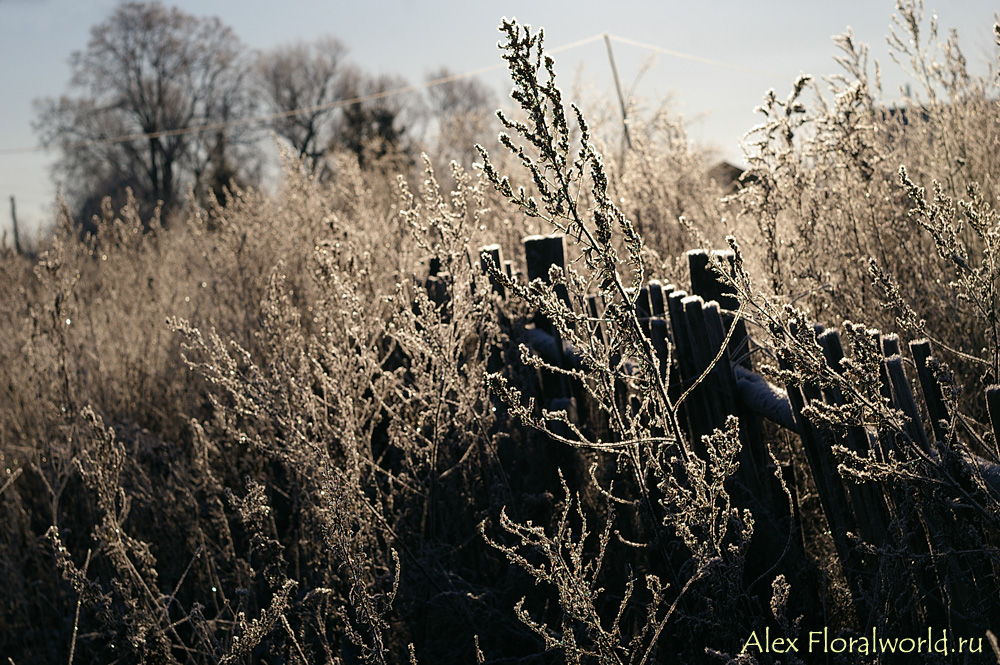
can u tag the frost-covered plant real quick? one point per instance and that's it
(823, 199)
(662, 481)
(976, 261)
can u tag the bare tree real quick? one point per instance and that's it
(303, 80)
(149, 73)
(377, 128)
(462, 111)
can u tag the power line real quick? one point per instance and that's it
(698, 58)
(376, 96)
(208, 127)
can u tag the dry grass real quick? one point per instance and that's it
(259, 435)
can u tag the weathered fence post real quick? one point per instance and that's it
(696, 413)
(903, 399)
(933, 397)
(710, 285)
(658, 326)
(709, 390)
(867, 499)
(496, 254)
(540, 254)
(993, 407)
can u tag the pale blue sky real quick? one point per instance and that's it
(411, 38)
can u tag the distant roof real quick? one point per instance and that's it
(725, 175)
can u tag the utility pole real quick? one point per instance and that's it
(13, 216)
(627, 141)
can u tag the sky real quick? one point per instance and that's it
(753, 46)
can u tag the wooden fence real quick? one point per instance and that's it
(860, 515)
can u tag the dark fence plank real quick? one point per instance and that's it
(496, 254)
(937, 411)
(993, 406)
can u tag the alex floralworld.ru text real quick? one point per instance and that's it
(819, 641)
